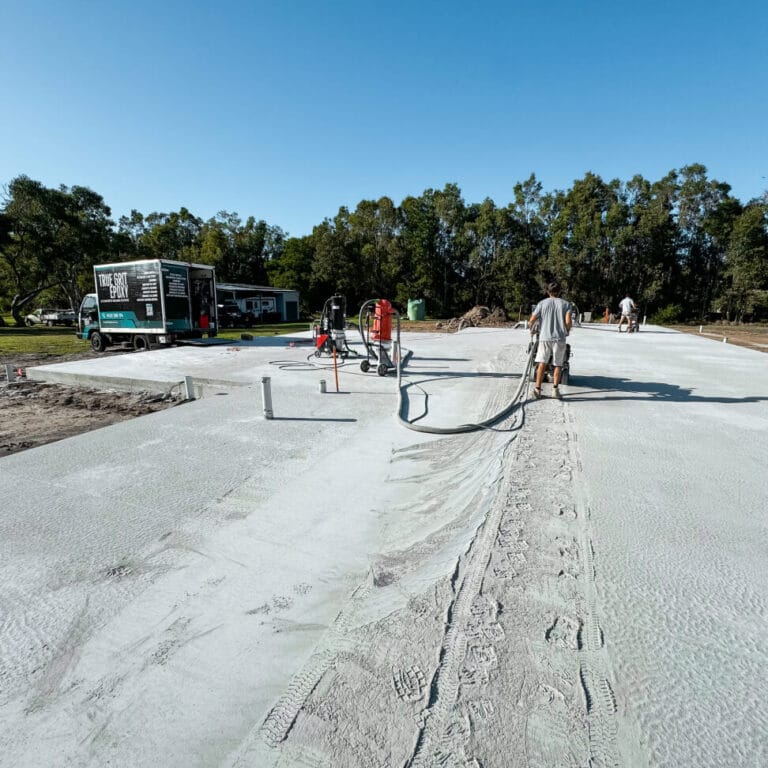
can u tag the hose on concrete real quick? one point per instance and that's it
(462, 428)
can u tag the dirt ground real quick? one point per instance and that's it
(33, 413)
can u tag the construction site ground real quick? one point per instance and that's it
(35, 413)
(366, 579)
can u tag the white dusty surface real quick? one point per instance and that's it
(586, 584)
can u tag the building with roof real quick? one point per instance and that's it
(263, 302)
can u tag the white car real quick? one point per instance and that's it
(51, 317)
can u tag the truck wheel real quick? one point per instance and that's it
(365, 366)
(98, 344)
(141, 343)
(382, 369)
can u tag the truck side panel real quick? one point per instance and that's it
(176, 297)
(129, 296)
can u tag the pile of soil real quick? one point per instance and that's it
(478, 316)
(34, 413)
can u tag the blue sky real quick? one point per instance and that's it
(288, 110)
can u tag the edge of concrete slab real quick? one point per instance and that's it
(126, 383)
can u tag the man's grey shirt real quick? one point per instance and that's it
(550, 313)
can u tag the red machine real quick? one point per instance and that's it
(376, 329)
(382, 321)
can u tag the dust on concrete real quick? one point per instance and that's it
(35, 413)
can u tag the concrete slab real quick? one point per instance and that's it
(206, 587)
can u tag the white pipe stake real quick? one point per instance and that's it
(189, 388)
(266, 396)
(322, 385)
(701, 328)
(10, 374)
(725, 339)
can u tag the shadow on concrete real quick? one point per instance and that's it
(601, 388)
(612, 328)
(307, 418)
(436, 375)
(419, 359)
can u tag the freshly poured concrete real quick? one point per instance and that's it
(205, 587)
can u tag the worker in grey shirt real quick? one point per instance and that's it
(553, 317)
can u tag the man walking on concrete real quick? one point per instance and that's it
(627, 308)
(554, 318)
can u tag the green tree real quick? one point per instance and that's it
(336, 267)
(580, 251)
(705, 215)
(54, 237)
(519, 275)
(373, 228)
(293, 269)
(747, 263)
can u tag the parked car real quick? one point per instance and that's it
(231, 316)
(51, 317)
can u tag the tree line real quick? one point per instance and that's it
(683, 247)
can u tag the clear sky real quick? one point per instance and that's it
(286, 110)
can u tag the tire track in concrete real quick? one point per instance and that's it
(444, 729)
(594, 665)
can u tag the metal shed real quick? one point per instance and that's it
(265, 303)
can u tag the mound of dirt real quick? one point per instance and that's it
(33, 413)
(480, 316)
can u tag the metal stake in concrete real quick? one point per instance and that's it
(189, 388)
(10, 373)
(266, 397)
(322, 385)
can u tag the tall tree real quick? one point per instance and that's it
(705, 216)
(580, 255)
(293, 269)
(747, 263)
(173, 236)
(55, 236)
(373, 227)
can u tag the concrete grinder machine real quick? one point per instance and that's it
(375, 325)
(330, 334)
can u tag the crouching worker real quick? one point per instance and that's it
(553, 317)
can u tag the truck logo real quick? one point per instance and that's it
(116, 282)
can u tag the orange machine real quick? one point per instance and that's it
(382, 321)
(376, 331)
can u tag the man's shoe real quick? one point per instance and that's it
(537, 393)
(556, 393)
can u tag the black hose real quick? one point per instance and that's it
(464, 428)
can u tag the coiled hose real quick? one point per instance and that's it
(462, 428)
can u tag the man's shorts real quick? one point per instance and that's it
(553, 349)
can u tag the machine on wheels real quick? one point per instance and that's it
(376, 331)
(329, 333)
(549, 371)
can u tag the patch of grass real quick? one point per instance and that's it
(42, 340)
(276, 329)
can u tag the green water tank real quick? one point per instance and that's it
(416, 309)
